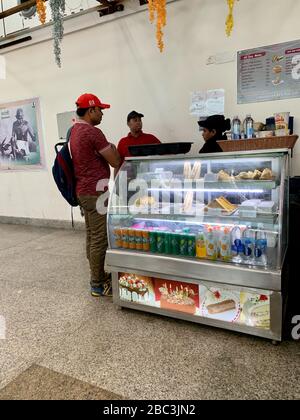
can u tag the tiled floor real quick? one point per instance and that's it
(59, 337)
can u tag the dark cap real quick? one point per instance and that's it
(215, 122)
(134, 114)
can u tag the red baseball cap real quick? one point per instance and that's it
(88, 100)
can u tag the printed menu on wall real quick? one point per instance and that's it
(269, 73)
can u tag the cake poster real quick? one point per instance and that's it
(136, 288)
(177, 296)
(256, 310)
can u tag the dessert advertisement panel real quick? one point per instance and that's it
(245, 307)
(269, 73)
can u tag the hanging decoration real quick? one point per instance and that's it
(229, 20)
(158, 7)
(57, 13)
(41, 11)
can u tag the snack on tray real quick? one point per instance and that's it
(222, 203)
(267, 174)
(224, 176)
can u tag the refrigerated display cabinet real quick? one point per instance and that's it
(203, 238)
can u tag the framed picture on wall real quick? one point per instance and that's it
(21, 144)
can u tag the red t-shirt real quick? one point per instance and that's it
(86, 143)
(143, 138)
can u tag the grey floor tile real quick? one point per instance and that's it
(38, 383)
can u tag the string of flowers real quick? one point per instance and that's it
(229, 20)
(158, 7)
(41, 10)
(57, 13)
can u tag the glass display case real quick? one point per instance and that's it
(202, 238)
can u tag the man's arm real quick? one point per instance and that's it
(112, 156)
(30, 131)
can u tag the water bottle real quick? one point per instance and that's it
(249, 127)
(236, 128)
(237, 247)
(260, 248)
(248, 241)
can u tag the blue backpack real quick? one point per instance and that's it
(63, 172)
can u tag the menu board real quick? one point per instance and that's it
(269, 73)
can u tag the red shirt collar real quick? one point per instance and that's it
(130, 135)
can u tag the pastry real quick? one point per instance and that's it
(267, 174)
(242, 175)
(224, 176)
(257, 174)
(224, 306)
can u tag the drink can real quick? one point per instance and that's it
(118, 237)
(191, 249)
(146, 240)
(161, 242)
(131, 238)
(175, 242)
(125, 239)
(183, 248)
(139, 239)
(153, 241)
(168, 243)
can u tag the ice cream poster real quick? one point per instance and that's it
(177, 296)
(136, 288)
(220, 303)
(256, 310)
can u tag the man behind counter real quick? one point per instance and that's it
(136, 136)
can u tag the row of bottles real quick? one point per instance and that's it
(247, 246)
(225, 243)
(239, 132)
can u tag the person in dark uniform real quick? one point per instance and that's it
(213, 130)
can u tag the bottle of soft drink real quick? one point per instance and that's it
(200, 244)
(211, 245)
(236, 128)
(237, 248)
(260, 249)
(225, 245)
(249, 126)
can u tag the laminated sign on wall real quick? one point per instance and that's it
(269, 73)
(21, 145)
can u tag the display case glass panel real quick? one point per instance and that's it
(217, 207)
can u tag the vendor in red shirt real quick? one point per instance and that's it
(136, 136)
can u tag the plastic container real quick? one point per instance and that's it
(146, 240)
(125, 238)
(210, 242)
(118, 237)
(260, 249)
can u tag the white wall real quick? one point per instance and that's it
(119, 62)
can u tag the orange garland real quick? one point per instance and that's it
(158, 6)
(41, 10)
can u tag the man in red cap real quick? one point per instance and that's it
(92, 154)
(136, 136)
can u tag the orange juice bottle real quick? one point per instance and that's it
(200, 244)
